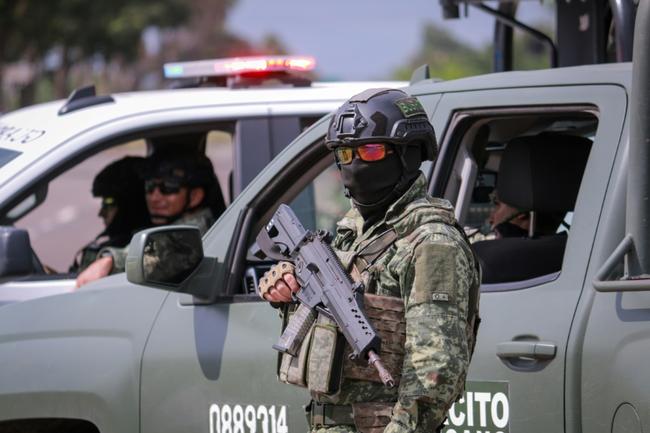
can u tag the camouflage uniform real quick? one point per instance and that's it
(86, 257)
(202, 219)
(432, 269)
(475, 235)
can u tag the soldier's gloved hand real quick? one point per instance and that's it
(278, 283)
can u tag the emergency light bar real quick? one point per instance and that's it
(239, 66)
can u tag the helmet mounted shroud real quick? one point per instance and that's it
(382, 115)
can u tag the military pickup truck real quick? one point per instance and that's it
(240, 112)
(562, 341)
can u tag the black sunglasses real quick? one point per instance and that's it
(165, 186)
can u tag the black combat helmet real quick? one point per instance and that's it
(119, 184)
(189, 169)
(382, 115)
(116, 179)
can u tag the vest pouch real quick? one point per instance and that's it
(293, 369)
(325, 353)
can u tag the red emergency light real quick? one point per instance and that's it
(243, 65)
(239, 66)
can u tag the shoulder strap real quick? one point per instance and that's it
(370, 252)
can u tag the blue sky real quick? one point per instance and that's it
(361, 39)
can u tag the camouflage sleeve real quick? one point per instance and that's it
(118, 255)
(344, 231)
(436, 287)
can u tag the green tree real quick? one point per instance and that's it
(448, 58)
(20, 34)
(80, 30)
(112, 30)
(101, 42)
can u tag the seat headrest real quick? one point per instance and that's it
(543, 172)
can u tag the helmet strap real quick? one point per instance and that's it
(404, 181)
(186, 207)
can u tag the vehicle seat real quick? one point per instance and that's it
(540, 173)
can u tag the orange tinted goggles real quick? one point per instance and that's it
(366, 152)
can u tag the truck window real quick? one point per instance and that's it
(514, 181)
(219, 148)
(322, 202)
(68, 219)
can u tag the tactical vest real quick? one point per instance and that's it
(323, 359)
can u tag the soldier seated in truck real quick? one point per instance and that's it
(179, 189)
(507, 221)
(538, 181)
(123, 209)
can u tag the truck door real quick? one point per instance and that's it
(609, 345)
(517, 377)
(210, 366)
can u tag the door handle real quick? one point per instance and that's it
(538, 350)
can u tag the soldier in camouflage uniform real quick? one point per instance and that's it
(421, 278)
(179, 189)
(123, 210)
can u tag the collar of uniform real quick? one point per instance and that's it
(414, 208)
(416, 191)
(202, 218)
(352, 222)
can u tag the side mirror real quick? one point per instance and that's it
(164, 257)
(16, 257)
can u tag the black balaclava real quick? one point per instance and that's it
(374, 186)
(510, 230)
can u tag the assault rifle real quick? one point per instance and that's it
(324, 287)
